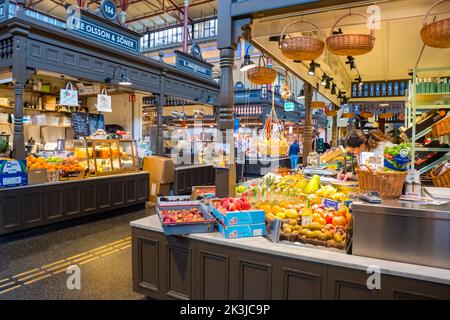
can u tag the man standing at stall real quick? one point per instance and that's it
(294, 150)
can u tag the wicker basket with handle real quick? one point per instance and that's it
(350, 44)
(388, 184)
(301, 47)
(261, 74)
(441, 175)
(436, 34)
(441, 128)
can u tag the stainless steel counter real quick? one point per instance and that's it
(403, 231)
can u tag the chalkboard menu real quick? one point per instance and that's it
(80, 124)
(380, 89)
(96, 121)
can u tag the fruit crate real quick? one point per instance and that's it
(231, 218)
(178, 228)
(242, 231)
(206, 192)
(166, 201)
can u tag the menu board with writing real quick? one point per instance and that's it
(80, 124)
(96, 121)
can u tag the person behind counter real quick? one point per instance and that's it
(294, 150)
(357, 142)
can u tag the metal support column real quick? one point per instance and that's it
(308, 130)
(185, 26)
(226, 178)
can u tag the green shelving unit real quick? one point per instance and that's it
(422, 102)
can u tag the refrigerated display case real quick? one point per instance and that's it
(105, 158)
(128, 155)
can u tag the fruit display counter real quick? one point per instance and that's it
(208, 266)
(260, 166)
(30, 206)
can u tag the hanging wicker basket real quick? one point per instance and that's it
(331, 113)
(261, 74)
(436, 34)
(366, 114)
(301, 47)
(317, 104)
(441, 175)
(348, 115)
(350, 44)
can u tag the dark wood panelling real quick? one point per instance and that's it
(104, 195)
(130, 190)
(27, 207)
(348, 284)
(71, 200)
(117, 192)
(301, 285)
(185, 179)
(255, 280)
(213, 275)
(10, 211)
(178, 258)
(32, 208)
(149, 264)
(201, 270)
(53, 203)
(89, 197)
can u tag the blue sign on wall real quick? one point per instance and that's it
(193, 67)
(94, 31)
(108, 9)
(289, 106)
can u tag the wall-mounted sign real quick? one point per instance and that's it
(196, 51)
(239, 85)
(108, 9)
(376, 89)
(289, 106)
(320, 146)
(193, 65)
(92, 30)
(2, 10)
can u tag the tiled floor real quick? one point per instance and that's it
(33, 264)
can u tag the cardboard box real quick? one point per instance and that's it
(162, 170)
(50, 103)
(243, 231)
(13, 173)
(234, 218)
(37, 176)
(158, 188)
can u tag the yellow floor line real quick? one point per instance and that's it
(121, 244)
(105, 250)
(115, 242)
(3, 280)
(7, 284)
(10, 289)
(125, 247)
(98, 248)
(26, 272)
(108, 253)
(59, 271)
(34, 280)
(52, 264)
(83, 258)
(31, 276)
(58, 266)
(77, 255)
(95, 258)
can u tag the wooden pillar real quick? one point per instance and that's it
(20, 76)
(161, 102)
(226, 178)
(334, 131)
(308, 129)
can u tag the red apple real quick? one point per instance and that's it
(329, 217)
(232, 207)
(245, 206)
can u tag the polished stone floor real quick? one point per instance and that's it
(33, 264)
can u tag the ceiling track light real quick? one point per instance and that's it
(333, 89)
(351, 62)
(324, 80)
(312, 68)
(328, 84)
(340, 94)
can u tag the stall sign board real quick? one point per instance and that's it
(375, 89)
(80, 124)
(289, 106)
(2, 10)
(320, 147)
(193, 65)
(96, 121)
(92, 30)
